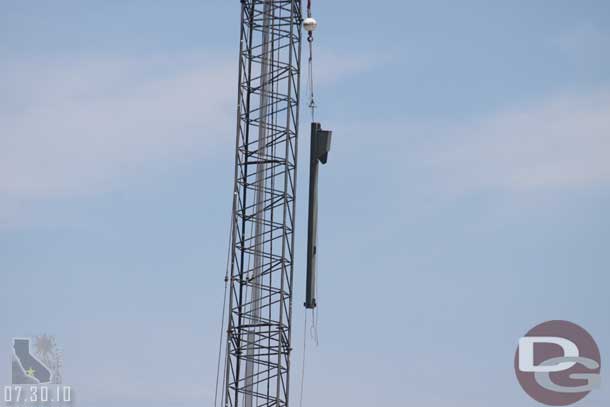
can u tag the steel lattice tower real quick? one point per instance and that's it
(262, 244)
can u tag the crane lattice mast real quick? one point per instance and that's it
(262, 245)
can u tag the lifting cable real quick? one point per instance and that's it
(310, 25)
(224, 313)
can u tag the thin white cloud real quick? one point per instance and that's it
(70, 127)
(74, 127)
(560, 142)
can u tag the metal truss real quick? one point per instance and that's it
(262, 256)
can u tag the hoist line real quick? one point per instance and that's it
(224, 309)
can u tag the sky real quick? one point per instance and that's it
(464, 202)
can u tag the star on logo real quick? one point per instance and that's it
(30, 372)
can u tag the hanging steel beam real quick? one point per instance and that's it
(320, 146)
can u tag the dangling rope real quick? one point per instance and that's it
(313, 330)
(304, 358)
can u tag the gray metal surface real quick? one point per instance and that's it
(319, 149)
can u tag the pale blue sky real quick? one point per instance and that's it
(465, 199)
